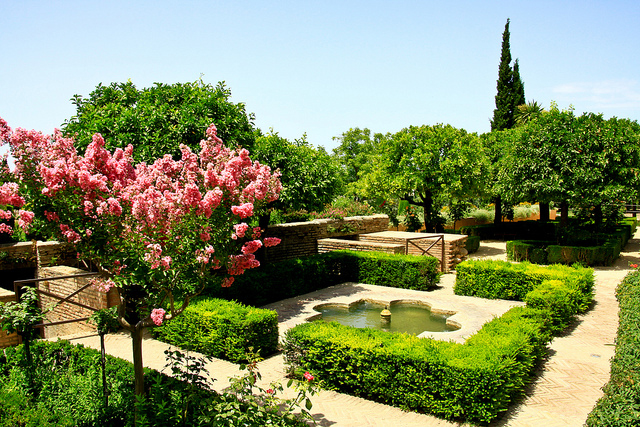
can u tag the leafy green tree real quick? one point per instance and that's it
(424, 165)
(581, 161)
(157, 120)
(310, 178)
(354, 153)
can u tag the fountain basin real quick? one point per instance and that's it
(412, 317)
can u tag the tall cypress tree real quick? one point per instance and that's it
(518, 90)
(502, 115)
(510, 95)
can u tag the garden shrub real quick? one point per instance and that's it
(620, 405)
(222, 329)
(503, 280)
(512, 230)
(474, 381)
(286, 279)
(472, 244)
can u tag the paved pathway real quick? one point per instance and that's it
(563, 393)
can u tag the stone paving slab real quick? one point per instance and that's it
(564, 392)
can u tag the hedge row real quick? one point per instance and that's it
(277, 281)
(223, 329)
(589, 253)
(620, 405)
(511, 230)
(474, 381)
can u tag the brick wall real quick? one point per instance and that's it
(23, 254)
(328, 245)
(66, 311)
(300, 239)
(454, 245)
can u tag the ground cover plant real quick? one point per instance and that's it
(223, 329)
(68, 392)
(474, 381)
(620, 405)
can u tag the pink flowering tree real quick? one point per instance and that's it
(156, 232)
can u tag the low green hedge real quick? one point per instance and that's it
(620, 405)
(286, 279)
(544, 252)
(475, 381)
(223, 329)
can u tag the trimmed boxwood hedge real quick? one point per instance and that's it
(620, 405)
(223, 329)
(280, 280)
(474, 381)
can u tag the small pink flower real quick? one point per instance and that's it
(157, 315)
(271, 241)
(308, 376)
(633, 265)
(227, 281)
(271, 391)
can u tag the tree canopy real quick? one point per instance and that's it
(424, 164)
(157, 120)
(309, 175)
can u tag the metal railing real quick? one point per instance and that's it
(438, 237)
(63, 299)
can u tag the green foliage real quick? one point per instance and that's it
(21, 316)
(586, 161)
(425, 166)
(475, 381)
(620, 405)
(158, 119)
(503, 280)
(106, 320)
(597, 249)
(222, 329)
(285, 279)
(521, 230)
(309, 175)
(68, 378)
(354, 154)
(472, 244)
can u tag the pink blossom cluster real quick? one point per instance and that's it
(154, 257)
(271, 241)
(159, 213)
(157, 315)
(101, 284)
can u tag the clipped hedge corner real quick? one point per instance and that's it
(223, 329)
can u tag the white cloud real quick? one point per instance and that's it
(606, 94)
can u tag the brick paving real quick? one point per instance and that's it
(563, 393)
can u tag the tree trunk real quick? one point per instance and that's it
(427, 206)
(105, 392)
(544, 212)
(564, 213)
(497, 220)
(138, 368)
(597, 216)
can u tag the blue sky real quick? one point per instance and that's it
(322, 67)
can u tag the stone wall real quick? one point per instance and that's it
(300, 239)
(328, 245)
(416, 244)
(67, 311)
(23, 254)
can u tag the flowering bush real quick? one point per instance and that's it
(155, 231)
